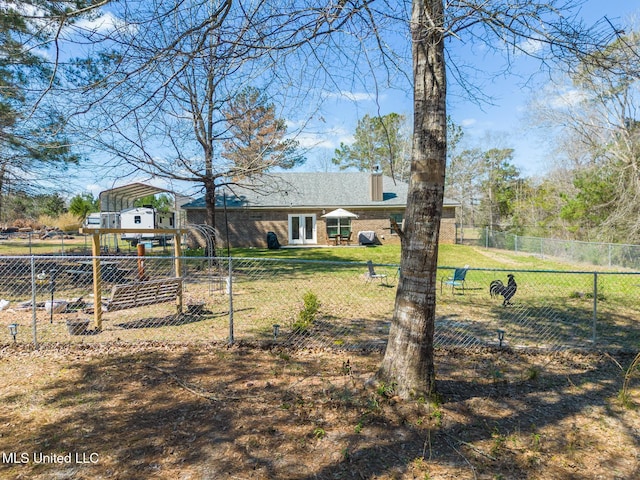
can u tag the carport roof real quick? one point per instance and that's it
(120, 198)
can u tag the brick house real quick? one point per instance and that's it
(292, 206)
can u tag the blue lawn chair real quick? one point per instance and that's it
(456, 281)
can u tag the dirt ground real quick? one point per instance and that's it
(211, 412)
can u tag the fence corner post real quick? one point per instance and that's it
(34, 293)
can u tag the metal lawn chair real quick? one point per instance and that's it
(372, 275)
(457, 280)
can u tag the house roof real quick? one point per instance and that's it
(311, 190)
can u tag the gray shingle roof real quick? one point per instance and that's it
(311, 190)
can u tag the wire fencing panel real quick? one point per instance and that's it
(51, 299)
(551, 310)
(588, 253)
(354, 311)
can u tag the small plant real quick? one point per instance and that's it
(436, 415)
(601, 296)
(385, 390)
(373, 405)
(532, 373)
(309, 311)
(358, 427)
(535, 441)
(624, 397)
(319, 433)
(499, 441)
(421, 465)
(498, 376)
(284, 356)
(345, 453)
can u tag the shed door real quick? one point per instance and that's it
(302, 229)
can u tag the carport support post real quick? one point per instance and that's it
(177, 249)
(97, 281)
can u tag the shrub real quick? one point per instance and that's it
(309, 311)
(66, 222)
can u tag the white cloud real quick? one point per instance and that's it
(566, 99)
(94, 189)
(353, 96)
(531, 46)
(468, 122)
(105, 23)
(330, 139)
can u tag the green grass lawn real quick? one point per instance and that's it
(448, 256)
(269, 286)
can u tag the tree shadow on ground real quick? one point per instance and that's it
(170, 320)
(239, 412)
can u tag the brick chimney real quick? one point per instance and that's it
(375, 185)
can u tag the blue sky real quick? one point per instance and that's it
(503, 119)
(507, 118)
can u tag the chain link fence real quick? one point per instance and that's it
(589, 253)
(52, 299)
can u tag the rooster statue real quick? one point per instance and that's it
(507, 291)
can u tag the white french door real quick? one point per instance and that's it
(302, 229)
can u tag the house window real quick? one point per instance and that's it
(338, 226)
(295, 228)
(397, 217)
(137, 219)
(309, 227)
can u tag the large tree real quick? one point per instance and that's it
(169, 98)
(408, 362)
(256, 140)
(82, 205)
(33, 145)
(378, 142)
(499, 183)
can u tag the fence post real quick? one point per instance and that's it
(34, 291)
(595, 307)
(515, 243)
(230, 292)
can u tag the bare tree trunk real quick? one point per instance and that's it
(3, 173)
(210, 205)
(408, 361)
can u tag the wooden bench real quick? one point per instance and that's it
(139, 294)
